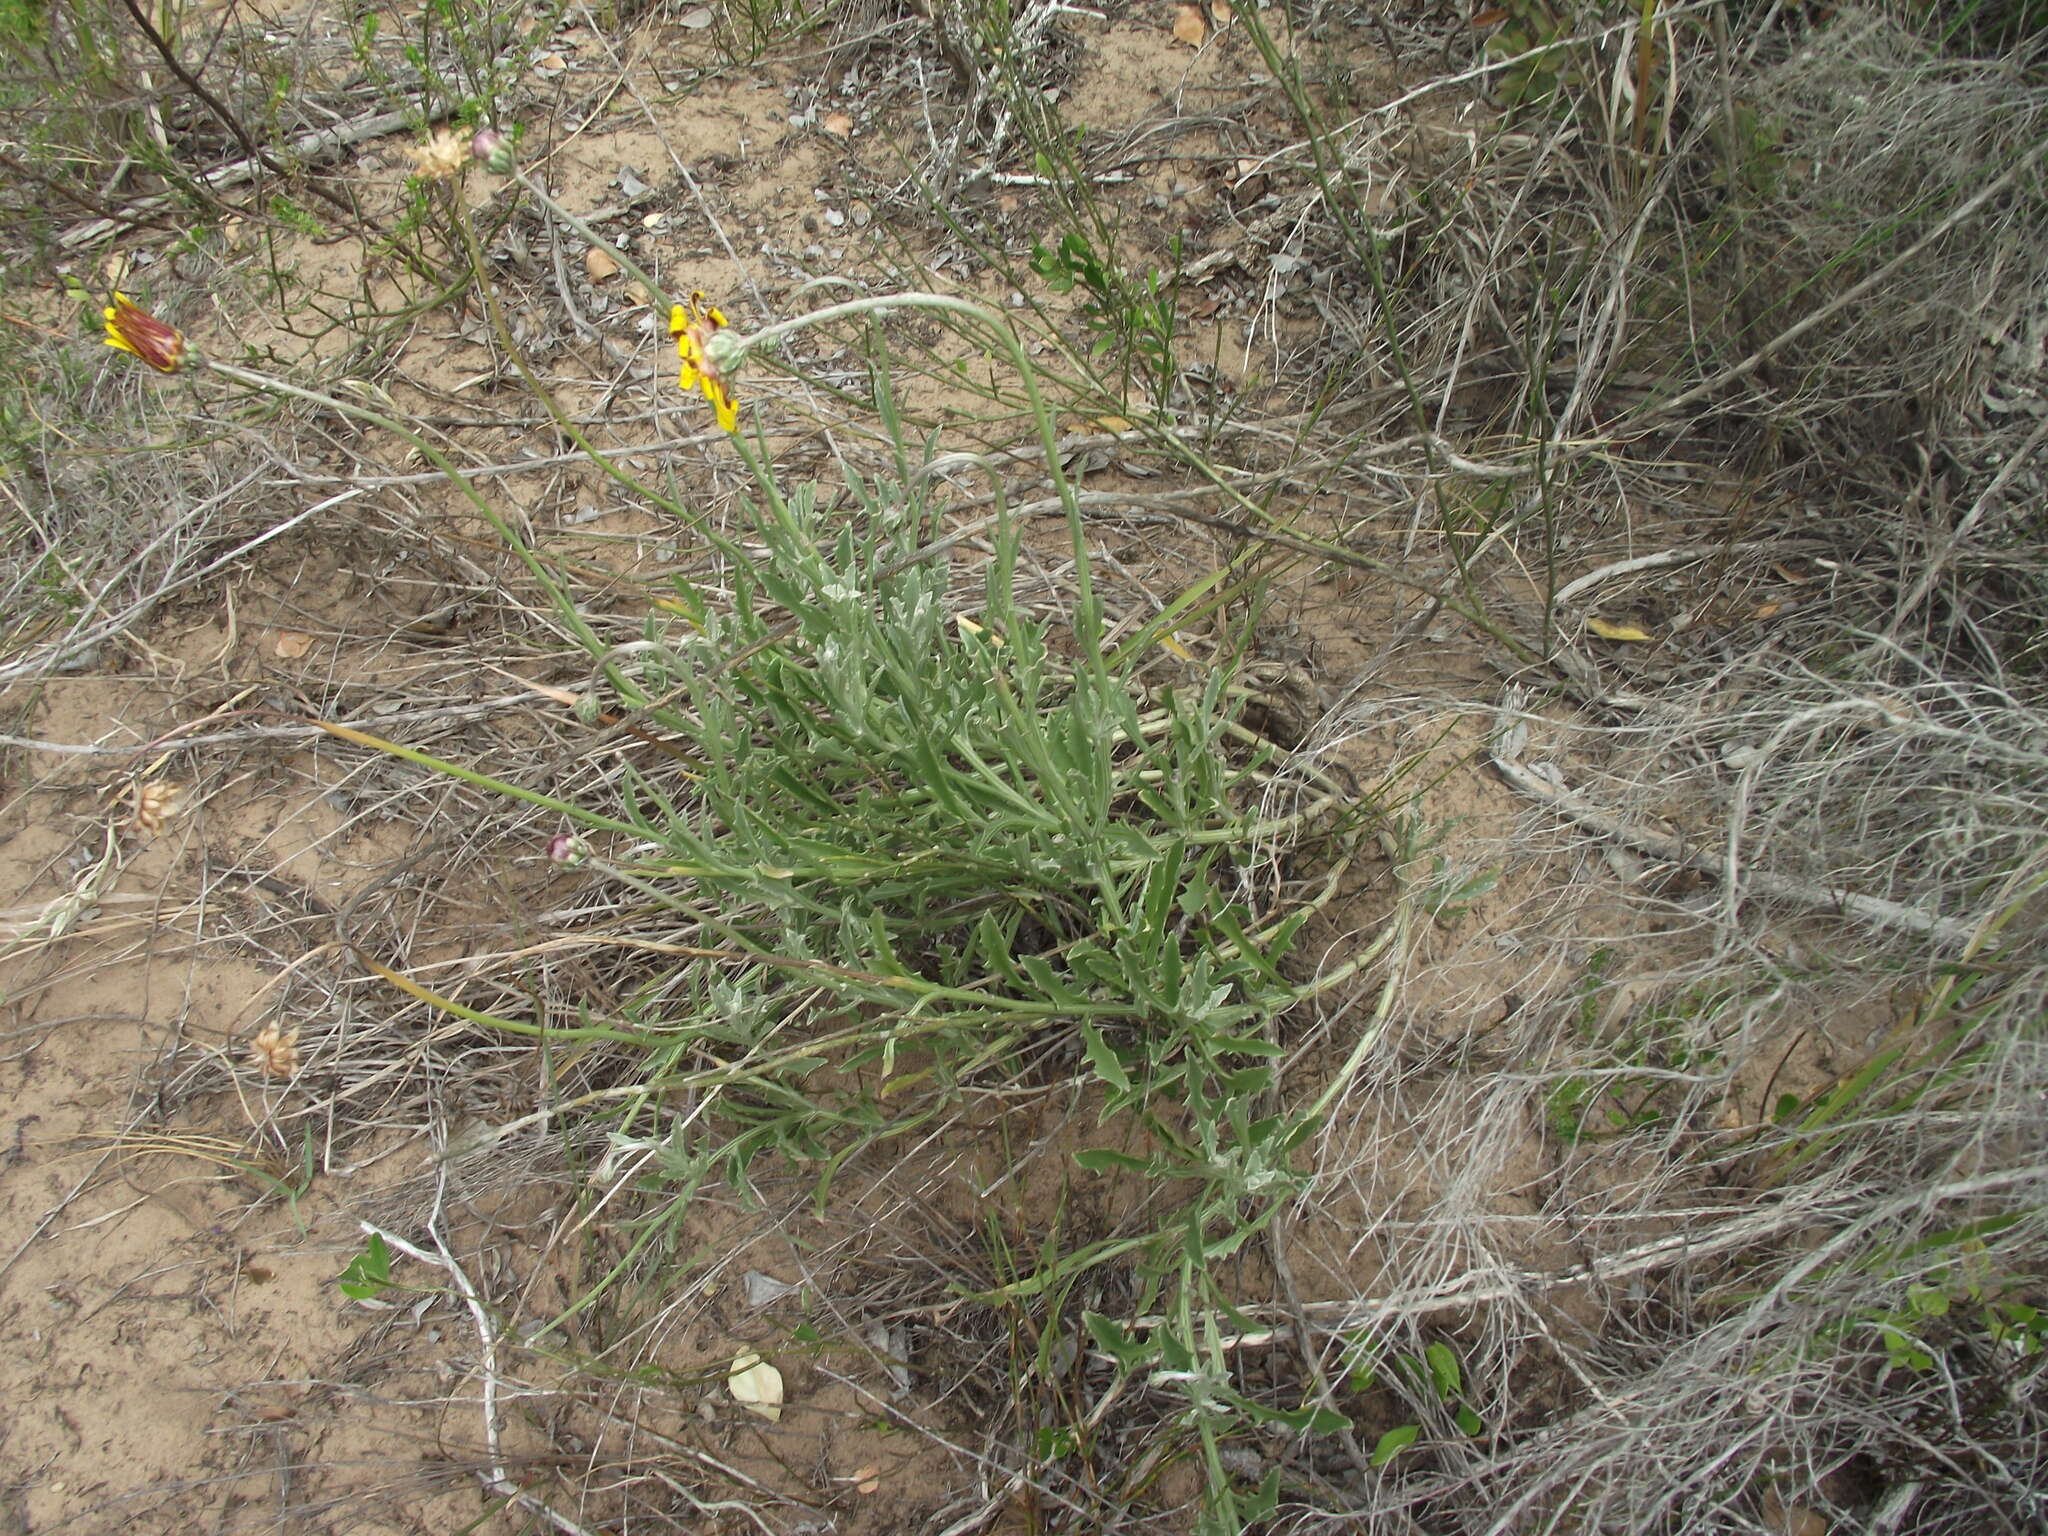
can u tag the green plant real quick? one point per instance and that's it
(747, 30)
(902, 842)
(1647, 1056)
(1435, 1377)
(1943, 1290)
(1608, 66)
(1132, 319)
(1533, 46)
(465, 54)
(1987, 28)
(369, 1273)
(1450, 890)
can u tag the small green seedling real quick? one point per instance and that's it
(1439, 1373)
(368, 1273)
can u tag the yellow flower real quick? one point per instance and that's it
(136, 330)
(693, 328)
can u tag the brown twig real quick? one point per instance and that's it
(221, 111)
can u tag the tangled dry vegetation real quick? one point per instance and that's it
(1333, 818)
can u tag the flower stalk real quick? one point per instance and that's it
(717, 353)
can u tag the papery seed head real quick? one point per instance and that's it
(275, 1052)
(441, 158)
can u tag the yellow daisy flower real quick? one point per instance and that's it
(693, 327)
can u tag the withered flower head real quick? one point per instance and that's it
(154, 804)
(136, 330)
(442, 158)
(275, 1052)
(696, 332)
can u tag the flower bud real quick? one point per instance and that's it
(725, 352)
(157, 342)
(494, 149)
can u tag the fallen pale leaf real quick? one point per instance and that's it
(597, 261)
(838, 124)
(756, 1386)
(1607, 631)
(696, 18)
(867, 1479)
(560, 695)
(292, 643)
(551, 61)
(766, 1290)
(1190, 26)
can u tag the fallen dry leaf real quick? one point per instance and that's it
(696, 18)
(292, 643)
(867, 1479)
(1607, 631)
(838, 124)
(756, 1386)
(1219, 12)
(598, 262)
(1190, 26)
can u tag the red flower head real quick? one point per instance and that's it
(136, 330)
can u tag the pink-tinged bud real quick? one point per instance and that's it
(494, 149)
(566, 848)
